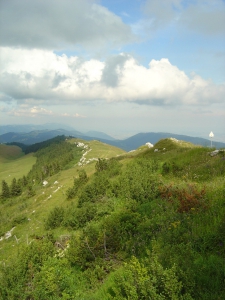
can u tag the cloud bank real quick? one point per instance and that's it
(57, 24)
(200, 16)
(40, 75)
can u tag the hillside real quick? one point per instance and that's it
(13, 163)
(91, 221)
(10, 152)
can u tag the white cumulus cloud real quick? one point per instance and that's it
(33, 76)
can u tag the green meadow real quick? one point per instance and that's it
(13, 163)
(148, 224)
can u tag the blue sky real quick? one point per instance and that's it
(116, 66)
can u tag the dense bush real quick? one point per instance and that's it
(55, 218)
(78, 183)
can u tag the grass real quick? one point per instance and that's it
(37, 208)
(16, 167)
(198, 227)
(8, 153)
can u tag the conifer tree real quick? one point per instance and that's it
(5, 189)
(15, 188)
(25, 182)
(30, 191)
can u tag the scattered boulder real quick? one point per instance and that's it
(9, 233)
(173, 139)
(214, 153)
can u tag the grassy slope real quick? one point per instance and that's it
(9, 153)
(13, 163)
(37, 208)
(193, 159)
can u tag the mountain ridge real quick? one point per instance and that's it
(127, 144)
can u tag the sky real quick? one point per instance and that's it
(116, 66)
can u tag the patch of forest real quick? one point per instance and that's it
(52, 157)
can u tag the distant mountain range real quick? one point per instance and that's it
(33, 127)
(38, 136)
(128, 144)
(31, 133)
(139, 139)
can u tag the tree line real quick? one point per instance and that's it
(52, 156)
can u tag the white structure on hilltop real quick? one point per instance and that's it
(211, 135)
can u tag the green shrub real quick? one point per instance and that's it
(77, 185)
(19, 220)
(55, 218)
(143, 280)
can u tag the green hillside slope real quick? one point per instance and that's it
(13, 163)
(9, 152)
(94, 222)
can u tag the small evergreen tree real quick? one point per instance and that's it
(5, 189)
(15, 188)
(25, 182)
(30, 191)
(101, 165)
(77, 184)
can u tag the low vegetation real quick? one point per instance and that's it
(141, 225)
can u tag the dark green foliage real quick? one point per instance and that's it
(30, 191)
(52, 158)
(15, 188)
(78, 217)
(55, 218)
(19, 220)
(38, 146)
(22, 146)
(95, 190)
(145, 280)
(17, 277)
(5, 190)
(78, 183)
(166, 167)
(101, 165)
(211, 266)
(56, 280)
(24, 181)
(138, 181)
(111, 166)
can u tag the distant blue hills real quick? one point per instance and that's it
(31, 134)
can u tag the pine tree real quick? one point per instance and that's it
(15, 188)
(25, 182)
(5, 189)
(30, 191)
